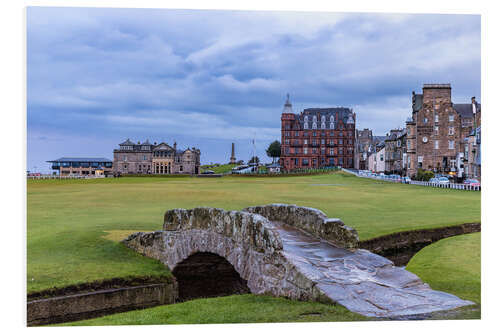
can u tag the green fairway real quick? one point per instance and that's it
(73, 225)
(452, 265)
(230, 309)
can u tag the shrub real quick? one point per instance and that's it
(424, 175)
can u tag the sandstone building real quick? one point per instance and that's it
(395, 151)
(437, 131)
(147, 158)
(317, 137)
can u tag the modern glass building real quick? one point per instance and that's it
(82, 166)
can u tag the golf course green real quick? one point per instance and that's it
(74, 226)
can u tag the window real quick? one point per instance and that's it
(323, 125)
(332, 125)
(144, 157)
(322, 151)
(315, 119)
(314, 133)
(425, 120)
(322, 141)
(125, 157)
(331, 151)
(451, 130)
(306, 126)
(436, 130)
(451, 144)
(340, 141)
(305, 161)
(296, 133)
(306, 118)
(305, 150)
(451, 118)
(305, 141)
(408, 144)
(436, 118)
(399, 143)
(314, 126)
(436, 144)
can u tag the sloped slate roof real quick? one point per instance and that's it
(417, 105)
(81, 159)
(160, 146)
(126, 142)
(465, 110)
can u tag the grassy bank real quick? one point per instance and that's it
(453, 265)
(230, 309)
(74, 226)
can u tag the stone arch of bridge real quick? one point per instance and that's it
(207, 274)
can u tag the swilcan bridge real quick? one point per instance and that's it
(285, 250)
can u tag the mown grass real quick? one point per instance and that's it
(70, 221)
(453, 265)
(229, 309)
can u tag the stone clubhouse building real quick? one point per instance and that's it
(152, 158)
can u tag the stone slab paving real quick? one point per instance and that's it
(361, 281)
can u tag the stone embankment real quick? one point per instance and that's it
(290, 251)
(65, 305)
(402, 246)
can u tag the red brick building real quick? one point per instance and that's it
(317, 138)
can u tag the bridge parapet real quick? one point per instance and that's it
(310, 220)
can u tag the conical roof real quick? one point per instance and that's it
(287, 108)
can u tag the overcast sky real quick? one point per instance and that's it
(208, 78)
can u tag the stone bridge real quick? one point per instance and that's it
(284, 250)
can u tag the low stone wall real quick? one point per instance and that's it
(249, 242)
(310, 220)
(98, 303)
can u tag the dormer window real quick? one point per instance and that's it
(315, 119)
(323, 125)
(306, 125)
(332, 124)
(323, 119)
(314, 126)
(306, 118)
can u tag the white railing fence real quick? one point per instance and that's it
(65, 177)
(465, 187)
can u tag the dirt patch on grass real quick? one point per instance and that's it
(119, 235)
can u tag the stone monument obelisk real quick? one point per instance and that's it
(232, 160)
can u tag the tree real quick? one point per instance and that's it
(254, 159)
(274, 150)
